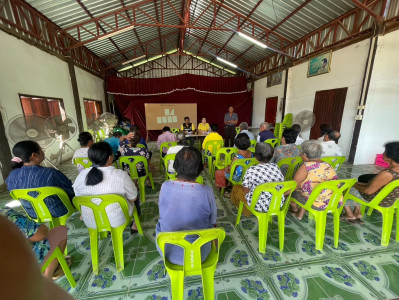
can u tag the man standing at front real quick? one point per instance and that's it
(230, 122)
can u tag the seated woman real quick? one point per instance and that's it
(102, 178)
(41, 240)
(263, 172)
(181, 142)
(286, 149)
(131, 149)
(203, 127)
(312, 172)
(86, 140)
(212, 136)
(194, 203)
(367, 191)
(242, 142)
(27, 173)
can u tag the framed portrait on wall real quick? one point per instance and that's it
(274, 79)
(320, 64)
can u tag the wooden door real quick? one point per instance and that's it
(271, 110)
(328, 108)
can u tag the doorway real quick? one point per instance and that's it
(328, 108)
(271, 110)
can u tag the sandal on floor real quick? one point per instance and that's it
(348, 220)
(359, 220)
(59, 272)
(227, 194)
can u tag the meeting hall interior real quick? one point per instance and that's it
(199, 149)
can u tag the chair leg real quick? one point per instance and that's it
(320, 219)
(263, 229)
(65, 268)
(142, 189)
(387, 220)
(221, 191)
(281, 229)
(208, 282)
(240, 207)
(177, 283)
(137, 221)
(369, 211)
(117, 244)
(397, 224)
(94, 249)
(103, 235)
(151, 180)
(336, 228)
(363, 209)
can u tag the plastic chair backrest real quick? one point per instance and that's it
(339, 188)
(334, 161)
(140, 146)
(192, 251)
(385, 191)
(98, 205)
(277, 189)
(174, 130)
(225, 155)
(272, 142)
(42, 212)
(83, 161)
(215, 145)
(166, 160)
(253, 143)
(288, 120)
(252, 149)
(245, 163)
(292, 163)
(132, 164)
(237, 130)
(166, 145)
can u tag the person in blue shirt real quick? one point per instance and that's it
(27, 173)
(114, 141)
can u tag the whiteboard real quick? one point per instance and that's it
(159, 115)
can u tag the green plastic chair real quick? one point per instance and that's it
(288, 118)
(133, 172)
(140, 146)
(83, 161)
(55, 253)
(216, 145)
(224, 156)
(165, 145)
(192, 259)
(386, 212)
(98, 205)
(166, 159)
(237, 130)
(174, 130)
(252, 149)
(42, 213)
(245, 163)
(339, 188)
(334, 161)
(273, 142)
(277, 189)
(292, 164)
(253, 143)
(100, 135)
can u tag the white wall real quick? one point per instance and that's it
(26, 69)
(260, 95)
(381, 121)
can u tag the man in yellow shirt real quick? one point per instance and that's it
(213, 136)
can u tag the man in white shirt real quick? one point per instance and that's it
(330, 146)
(324, 129)
(244, 129)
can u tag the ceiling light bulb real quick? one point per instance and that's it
(226, 62)
(252, 40)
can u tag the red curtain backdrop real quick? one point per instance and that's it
(213, 96)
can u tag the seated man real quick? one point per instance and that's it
(264, 133)
(166, 136)
(330, 146)
(324, 129)
(188, 129)
(299, 140)
(244, 129)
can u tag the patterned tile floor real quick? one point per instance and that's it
(358, 269)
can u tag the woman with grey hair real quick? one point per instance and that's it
(181, 142)
(262, 173)
(312, 172)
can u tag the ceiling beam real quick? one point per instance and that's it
(213, 20)
(367, 9)
(186, 14)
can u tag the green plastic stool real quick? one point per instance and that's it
(216, 145)
(273, 142)
(83, 161)
(334, 161)
(133, 172)
(245, 163)
(387, 212)
(102, 225)
(192, 259)
(277, 189)
(339, 188)
(292, 164)
(165, 145)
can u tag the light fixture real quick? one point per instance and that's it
(140, 63)
(154, 58)
(252, 40)
(125, 68)
(171, 51)
(132, 60)
(106, 36)
(226, 62)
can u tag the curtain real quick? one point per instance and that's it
(213, 96)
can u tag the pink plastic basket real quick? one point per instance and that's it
(379, 161)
